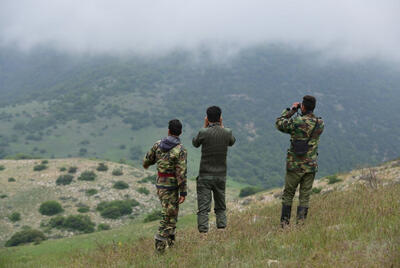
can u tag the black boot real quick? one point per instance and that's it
(160, 243)
(301, 214)
(285, 216)
(171, 241)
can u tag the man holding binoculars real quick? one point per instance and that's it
(301, 162)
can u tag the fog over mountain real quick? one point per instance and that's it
(346, 29)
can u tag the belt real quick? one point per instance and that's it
(166, 175)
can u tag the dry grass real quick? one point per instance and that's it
(356, 228)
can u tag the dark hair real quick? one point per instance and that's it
(175, 127)
(214, 114)
(309, 102)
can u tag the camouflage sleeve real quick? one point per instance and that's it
(198, 140)
(150, 158)
(284, 123)
(180, 172)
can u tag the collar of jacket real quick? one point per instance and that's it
(214, 124)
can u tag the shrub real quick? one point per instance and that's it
(115, 209)
(25, 236)
(316, 190)
(64, 179)
(2, 167)
(3, 196)
(87, 176)
(333, 179)
(83, 209)
(72, 170)
(246, 191)
(122, 147)
(117, 172)
(16, 216)
(50, 208)
(44, 162)
(132, 202)
(62, 169)
(11, 179)
(153, 216)
(143, 190)
(102, 167)
(103, 227)
(57, 222)
(90, 192)
(120, 185)
(152, 179)
(39, 167)
(82, 151)
(81, 223)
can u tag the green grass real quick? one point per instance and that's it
(355, 228)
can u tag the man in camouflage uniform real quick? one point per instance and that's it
(170, 157)
(300, 166)
(214, 140)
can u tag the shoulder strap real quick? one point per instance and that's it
(312, 132)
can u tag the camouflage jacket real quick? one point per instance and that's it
(174, 162)
(300, 128)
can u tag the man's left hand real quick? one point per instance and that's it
(181, 199)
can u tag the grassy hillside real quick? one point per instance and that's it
(57, 105)
(353, 221)
(31, 188)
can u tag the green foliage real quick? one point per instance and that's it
(91, 192)
(102, 167)
(152, 179)
(120, 185)
(155, 215)
(81, 223)
(2, 167)
(25, 236)
(39, 167)
(117, 172)
(57, 222)
(2, 196)
(143, 190)
(50, 208)
(72, 170)
(64, 179)
(62, 169)
(333, 179)
(87, 176)
(22, 156)
(15, 216)
(115, 209)
(45, 162)
(246, 191)
(83, 209)
(316, 190)
(103, 227)
(11, 179)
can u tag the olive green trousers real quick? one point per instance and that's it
(292, 180)
(208, 186)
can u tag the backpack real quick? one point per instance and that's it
(301, 147)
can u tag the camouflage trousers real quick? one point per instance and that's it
(292, 180)
(208, 186)
(169, 208)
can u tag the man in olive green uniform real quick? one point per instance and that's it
(170, 157)
(214, 139)
(301, 164)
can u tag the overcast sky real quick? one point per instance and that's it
(346, 28)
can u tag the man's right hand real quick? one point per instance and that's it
(145, 166)
(206, 123)
(296, 105)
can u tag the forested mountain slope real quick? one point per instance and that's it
(60, 105)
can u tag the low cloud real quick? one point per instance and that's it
(350, 29)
